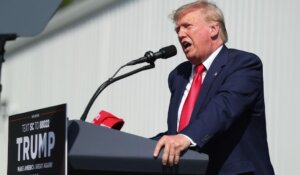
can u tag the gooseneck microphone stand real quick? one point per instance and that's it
(149, 57)
(110, 81)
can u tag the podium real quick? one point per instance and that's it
(96, 150)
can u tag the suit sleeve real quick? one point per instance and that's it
(240, 88)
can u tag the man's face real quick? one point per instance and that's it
(194, 35)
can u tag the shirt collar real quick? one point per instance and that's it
(207, 63)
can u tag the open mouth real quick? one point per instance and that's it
(186, 44)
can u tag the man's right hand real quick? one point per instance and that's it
(173, 146)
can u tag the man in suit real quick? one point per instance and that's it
(221, 112)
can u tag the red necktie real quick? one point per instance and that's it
(191, 98)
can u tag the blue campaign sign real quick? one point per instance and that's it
(37, 142)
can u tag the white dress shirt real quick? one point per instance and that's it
(207, 63)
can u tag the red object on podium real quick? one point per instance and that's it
(108, 120)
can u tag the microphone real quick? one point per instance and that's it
(150, 56)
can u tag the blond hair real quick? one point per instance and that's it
(210, 10)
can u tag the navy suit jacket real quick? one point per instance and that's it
(228, 121)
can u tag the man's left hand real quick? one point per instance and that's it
(173, 146)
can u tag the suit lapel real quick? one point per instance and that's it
(213, 72)
(182, 78)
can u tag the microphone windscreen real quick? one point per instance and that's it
(168, 51)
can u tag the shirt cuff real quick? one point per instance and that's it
(192, 143)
